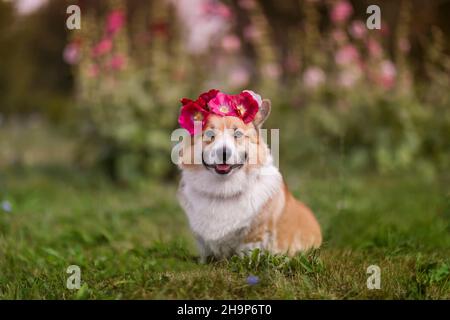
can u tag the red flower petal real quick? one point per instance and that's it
(190, 113)
(223, 105)
(185, 101)
(246, 106)
(211, 94)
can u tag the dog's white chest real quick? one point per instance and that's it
(216, 219)
(222, 221)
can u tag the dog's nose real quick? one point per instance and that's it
(224, 154)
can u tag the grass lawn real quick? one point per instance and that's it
(135, 243)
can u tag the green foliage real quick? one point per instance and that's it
(389, 134)
(354, 96)
(426, 274)
(34, 79)
(129, 111)
(130, 128)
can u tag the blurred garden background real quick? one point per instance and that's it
(85, 123)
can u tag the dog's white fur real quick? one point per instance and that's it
(221, 209)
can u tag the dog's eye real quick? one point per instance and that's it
(238, 134)
(209, 133)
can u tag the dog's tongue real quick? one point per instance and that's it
(223, 167)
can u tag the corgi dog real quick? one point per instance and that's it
(234, 196)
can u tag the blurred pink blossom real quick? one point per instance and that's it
(374, 48)
(231, 43)
(93, 70)
(247, 4)
(404, 45)
(203, 27)
(358, 29)
(115, 21)
(388, 73)
(159, 28)
(313, 77)
(338, 36)
(179, 74)
(292, 63)
(346, 55)
(341, 11)
(28, 6)
(349, 76)
(117, 62)
(216, 8)
(239, 77)
(384, 29)
(346, 79)
(143, 37)
(103, 47)
(271, 70)
(71, 53)
(251, 32)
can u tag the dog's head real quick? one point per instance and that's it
(227, 146)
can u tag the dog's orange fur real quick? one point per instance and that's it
(290, 223)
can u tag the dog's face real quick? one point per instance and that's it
(227, 146)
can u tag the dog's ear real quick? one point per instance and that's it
(263, 113)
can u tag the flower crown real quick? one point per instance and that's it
(244, 105)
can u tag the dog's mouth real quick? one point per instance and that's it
(223, 169)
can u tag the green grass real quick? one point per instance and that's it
(134, 243)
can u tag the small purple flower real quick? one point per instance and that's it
(6, 206)
(252, 280)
